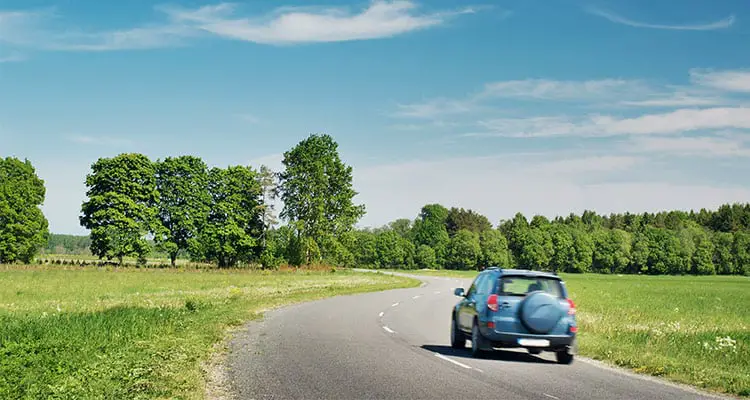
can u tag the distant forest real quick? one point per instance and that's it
(670, 242)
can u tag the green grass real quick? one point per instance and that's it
(136, 334)
(669, 326)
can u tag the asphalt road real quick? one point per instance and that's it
(395, 345)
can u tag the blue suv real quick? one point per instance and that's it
(506, 308)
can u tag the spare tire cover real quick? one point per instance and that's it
(540, 312)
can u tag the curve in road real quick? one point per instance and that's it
(395, 345)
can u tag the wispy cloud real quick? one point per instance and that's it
(705, 26)
(434, 108)
(676, 100)
(547, 89)
(284, 25)
(729, 80)
(32, 29)
(14, 57)
(704, 146)
(678, 121)
(100, 140)
(291, 25)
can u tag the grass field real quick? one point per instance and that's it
(136, 334)
(693, 330)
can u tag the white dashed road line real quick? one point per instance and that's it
(387, 329)
(416, 297)
(394, 304)
(550, 396)
(381, 314)
(442, 357)
(437, 292)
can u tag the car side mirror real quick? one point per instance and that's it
(459, 292)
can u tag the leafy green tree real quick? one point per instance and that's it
(393, 250)
(429, 229)
(563, 248)
(664, 251)
(702, 262)
(120, 209)
(183, 203)
(641, 252)
(401, 226)
(539, 222)
(425, 257)
(723, 258)
(537, 250)
(516, 231)
(464, 251)
(23, 227)
(458, 219)
(583, 250)
(495, 250)
(336, 252)
(316, 189)
(741, 253)
(364, 248)
(234, 225)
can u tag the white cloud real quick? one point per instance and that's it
(285, 25)
(691, 146)
(32, 29)
(678, 121)
(433, 108)
(12, 57)
(708, 26)
(100, 140)
(683, 120)
(501, 186)
(289, 25)
(547, 89)
(675, 100)
(730, 80)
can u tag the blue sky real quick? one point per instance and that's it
(544, 107)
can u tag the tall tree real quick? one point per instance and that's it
(429, 229)
(402, 226)
(494, 248)
(119, 210)
(537, 250)
(723, 257)
(234, 223)
(563, 248)
(458, 219)
(183, 203)
(316, 188)
(464, 251)
(23, 227)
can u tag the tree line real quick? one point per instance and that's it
(180, 207)
(674, 242)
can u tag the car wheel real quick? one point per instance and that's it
(563, 357)
(458, 341)
(476, 341)
(534, 351)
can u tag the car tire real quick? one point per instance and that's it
(564, 357)
(477, 341)
(458, 340)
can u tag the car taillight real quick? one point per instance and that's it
(572, 309)
(492, 302)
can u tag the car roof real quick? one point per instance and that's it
(524, 272)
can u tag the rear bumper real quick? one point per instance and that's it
(507, 339)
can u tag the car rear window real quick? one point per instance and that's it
(521, 285)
